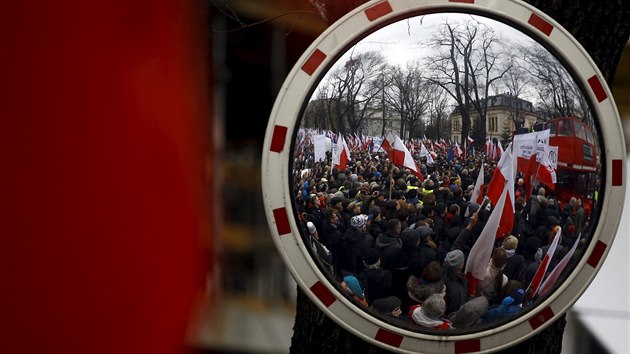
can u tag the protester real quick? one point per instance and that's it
(397, 238)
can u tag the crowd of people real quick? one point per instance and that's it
(398, 244)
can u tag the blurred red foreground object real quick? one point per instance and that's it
(103, 188)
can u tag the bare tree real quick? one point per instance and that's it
(466, 66)
(314, 332)
(487, 65)
(557, 91)
(320, 112)
(516, 81)
(408, 95)
(351, 89)
(439, 102)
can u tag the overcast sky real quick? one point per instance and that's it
(403, 41)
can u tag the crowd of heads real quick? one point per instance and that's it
(398, 244)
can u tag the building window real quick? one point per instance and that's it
(456, 125)
(493, 125)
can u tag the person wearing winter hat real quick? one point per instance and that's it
(359, 221)
(429, 314)
(351, 285)
(356, 241)
(389, 306)
(376, 281)
(454, 280)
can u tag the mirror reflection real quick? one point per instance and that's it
(446, 173)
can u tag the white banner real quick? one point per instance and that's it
(321, 144)
(552, 154)
(526, 144)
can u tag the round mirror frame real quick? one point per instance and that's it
(276, 161)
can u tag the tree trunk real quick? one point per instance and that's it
(602, 29)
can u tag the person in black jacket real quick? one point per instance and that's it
(356, 241)
(389, 244)
(376, 281)
(455, 281)
(321, 252)
(334, 239)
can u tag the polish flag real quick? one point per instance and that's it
(546, 286)
(341, 155)
(426, 153)
(481, 251)
(504, 175)
(418, 172)
(402, 156)
(534, 286)
(388, 145)
(498, 150)
(458, 150)
(477, 194)
(423, 151)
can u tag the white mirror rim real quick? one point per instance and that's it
(276, 162)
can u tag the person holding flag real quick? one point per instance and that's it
(478, 265)
(340, 155)
(504, 177)
(534, 285)
(478, 191)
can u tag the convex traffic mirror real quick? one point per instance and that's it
(443, 176)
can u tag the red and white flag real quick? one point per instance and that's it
(477, 194)
(481, 251)
(402, 156)
(341, 154)
(534, 285)
(553, 276)
(498, 150)
(458, 150)
(504, 176)
(418, 172)
(388, 145)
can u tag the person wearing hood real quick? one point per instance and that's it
(430, 313)
(419, 248)
(510, 306)
(389, 244)
(430, 282)
(470, 314)
(356, 241)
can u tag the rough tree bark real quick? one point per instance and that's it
(602, 29)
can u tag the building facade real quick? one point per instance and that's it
(502, 111)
